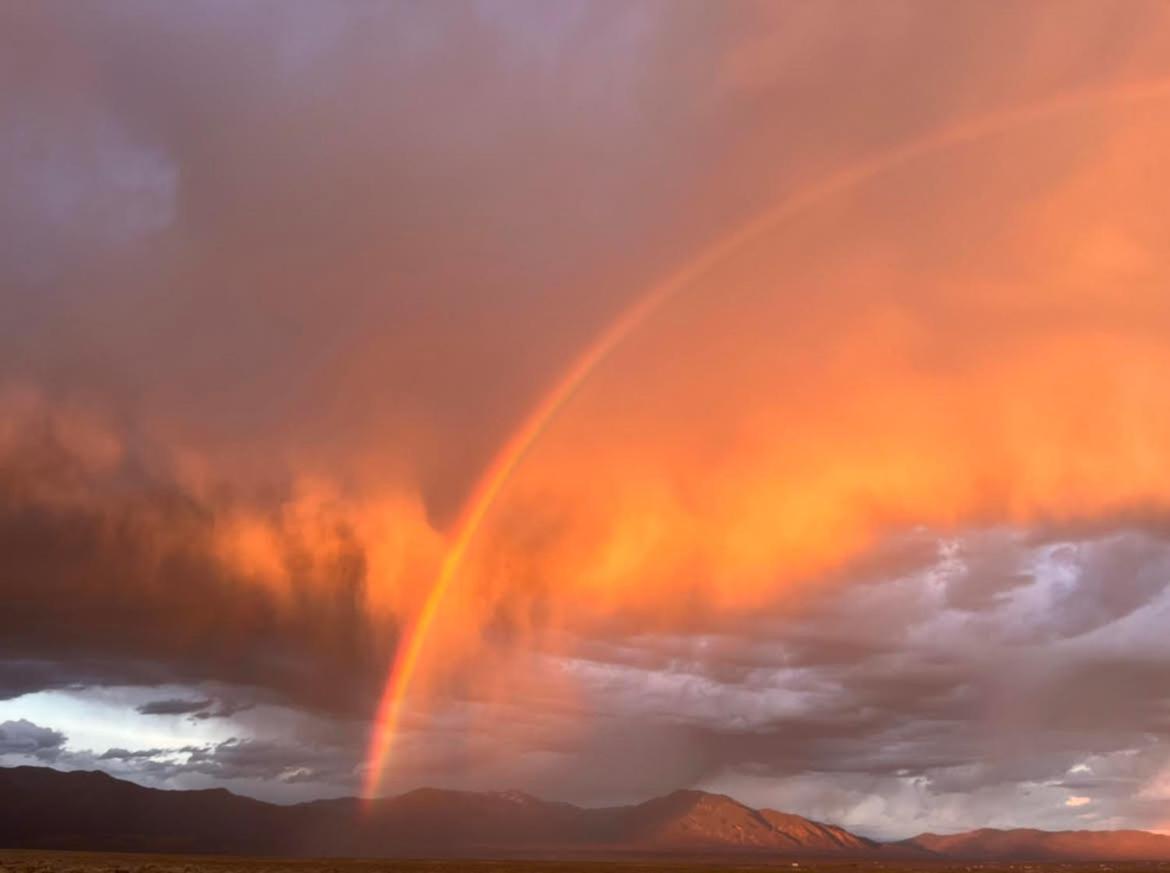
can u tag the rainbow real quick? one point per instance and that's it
(509, 456)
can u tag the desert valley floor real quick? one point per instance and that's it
(34, 861)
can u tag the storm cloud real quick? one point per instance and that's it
(868, 522)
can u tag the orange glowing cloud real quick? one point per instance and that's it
(1051, 423)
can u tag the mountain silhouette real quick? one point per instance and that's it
(49, 809)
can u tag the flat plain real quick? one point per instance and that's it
(35, 861)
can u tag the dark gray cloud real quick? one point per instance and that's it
(223, 709)
(201, 709)
(22, 737)
(19, 676)
(128, 755)
(173, 706)
(268, 760)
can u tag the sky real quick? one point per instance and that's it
(845, 331)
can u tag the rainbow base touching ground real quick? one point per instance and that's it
(487, 490)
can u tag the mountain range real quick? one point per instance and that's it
(45, 808)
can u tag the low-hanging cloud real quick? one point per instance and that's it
(22, 737)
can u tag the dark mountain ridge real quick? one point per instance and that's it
(49, 809)
(45, 808)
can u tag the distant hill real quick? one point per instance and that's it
(989, 844)
(697, 821)
(49, 809)
(44, 808)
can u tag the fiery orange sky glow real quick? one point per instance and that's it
(875, 474)
(593, 399)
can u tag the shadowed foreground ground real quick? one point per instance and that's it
(33, 861)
